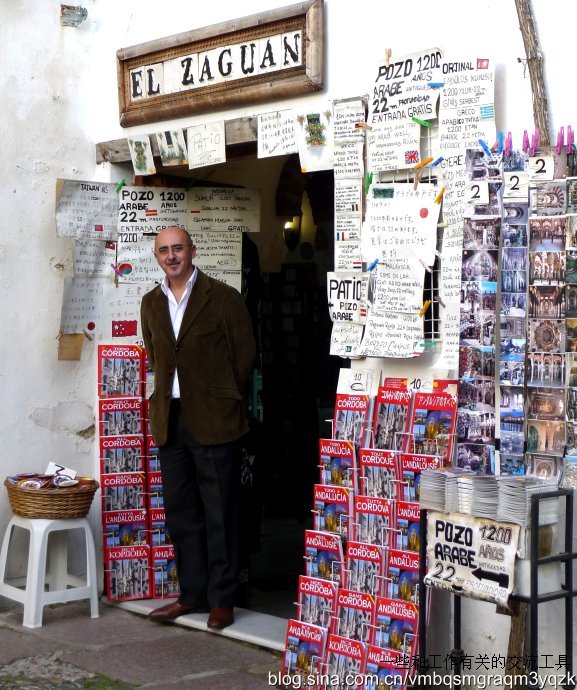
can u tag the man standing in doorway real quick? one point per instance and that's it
(199, 341)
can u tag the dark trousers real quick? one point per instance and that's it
(201, 487)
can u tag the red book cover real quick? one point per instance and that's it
(403, 576)
(127, 570)
(411, 467)
(408, 526)
(379, 473)
(121, 454)
(304, 650)
(374, 520)
(123, 491)
(324, 556)
(317, 600)
(387, 668)
(152, 461)
(154, 494)
(158, 531)
(165, 578)
(355, 615)
(132, 530)
(346, 661)
(120, 417)
(432, 429)
(365, 568)
(352, 419)
(396, 626)
(337, 463)
(391, 419)
(333, 508)
(120, 371)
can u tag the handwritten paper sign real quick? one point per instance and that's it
(358, 381)
(347, 296)
(141, 155)
(348, 227)
(471, 556)
(81, 305)
(348, 196)
(398, 285)
(401, 221)
(348, 255)
(392, 334)
(348, 160)
(86, 210)
(136, 261)
(345, 339)
(218, 250)
(314, 136)
(93, 258)
(401, 89)
(223, 209)
(394, 147)
(121, 310)
(346, 116)
(275, 134)
(206, 144)
(450, 322)
(149, 209)
(231, 278)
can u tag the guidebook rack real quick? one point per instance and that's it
(567, 592)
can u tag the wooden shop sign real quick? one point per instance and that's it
(272, 55)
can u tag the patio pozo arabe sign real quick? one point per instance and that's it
(250, 60)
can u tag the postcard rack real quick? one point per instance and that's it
(567, 592)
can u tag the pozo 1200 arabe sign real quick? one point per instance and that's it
(471, 556)
(271, 55)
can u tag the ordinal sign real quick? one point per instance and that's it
(266, 56)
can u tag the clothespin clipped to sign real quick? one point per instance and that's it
(508, 144)
(434, 164)
(363, 125)
(485, 147)
(499, 142)
(422, 164)
(560, 140)
(372, 265)
(418, 121)
(117, 270)
(88, 335)
(120, 185)
(435, 84)
(570, 139)
(525, 142)
(388, 53)
(424, 308)
(439, 196)
(368, 181)
(424, 265)
(534, 142)
(418, 175)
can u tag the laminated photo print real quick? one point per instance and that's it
(546, 438)
(477, 394)
(475, 427)
(547, 404)
(571, 194)
(512, 442)
(571, 301)
(571, 266)
(547, 268)
(513, 281)
(481, 233)
(514, 259)
(512, 326)
(512, 464)
(546, 335)
(512, 420)
(571, 231)
(479, 265)
(480, 166)
(476, 361)
(571, 430)
(477, 457)
(572, 369)
(477, 328)
(546, 369)
(547, 233)
(571, 404)
(512, 373)
(548, 198)
(544, 466)
(547, 302)
(514, 304)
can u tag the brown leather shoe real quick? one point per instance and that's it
(220, 618)
(169, 612)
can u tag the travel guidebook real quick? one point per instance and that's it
(355, 615)
(304, 649)
(379, 473)
(333, 508)
(159, 535)
(346, 661)
(396, 626)
(337, 463)
(403, 575)
(123, 491)
(126, 533)
(317, 600)
(411, 467)
(365, 568)
(121, 454)
(120, 371)
(374, 520)
(120, 416)
(386, 668)
(432, 428)
(408, 526)
(324, 556)
(352, 419)
(164, 573)
(127, 570)
(391, 418)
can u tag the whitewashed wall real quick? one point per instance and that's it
(59, 98)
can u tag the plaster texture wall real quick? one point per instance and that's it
(59, 98)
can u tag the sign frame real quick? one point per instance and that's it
(306, 17)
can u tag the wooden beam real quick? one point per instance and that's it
(241, 131)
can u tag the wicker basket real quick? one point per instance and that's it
(51, 504)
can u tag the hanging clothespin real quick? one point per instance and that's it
(388, 53)
(508, 144)
(439, 160)
(418, 175)
(424, 162)
(560, 140)
(525, 142)
(499, 142)
(534, 142)
(570, 139)
(439, 196)
(485, 147)
(424, 308)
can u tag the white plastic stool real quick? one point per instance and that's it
(30, 590)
